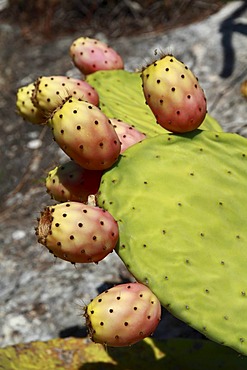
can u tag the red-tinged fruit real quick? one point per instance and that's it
(70, 181)
(123, 315)
(174, 95)
(85, 134)
(50, 91)
(25, 106)
(77, 232)
(90, 55)
(127, 134)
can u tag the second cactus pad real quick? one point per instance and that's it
(181, 206)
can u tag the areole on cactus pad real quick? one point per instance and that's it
(181, 211)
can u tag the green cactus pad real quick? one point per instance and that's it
(121, 97)
(181, 205)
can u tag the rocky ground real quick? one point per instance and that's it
(40, 296)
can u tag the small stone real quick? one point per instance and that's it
(34, 144)
(18, 234)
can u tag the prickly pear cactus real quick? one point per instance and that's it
(180, 203)
(121, 97)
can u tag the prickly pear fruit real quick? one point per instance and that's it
(85, 134)
(123, 315)
(127, 134)
(243, 88)
(174, 95)
(91, 55)
(50, 92)
(70, 181)
(77, 232)
(124, 99)
(25, 106)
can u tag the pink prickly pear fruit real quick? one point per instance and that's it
(72, 182)
(91, 55)
(127, 134)
(123, 315)
(77, 232)
(25, 106)
(85, 134)
(50, 91)
(174, 95)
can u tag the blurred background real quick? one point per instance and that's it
(112, 17)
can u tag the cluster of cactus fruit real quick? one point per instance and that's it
(144, 180)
